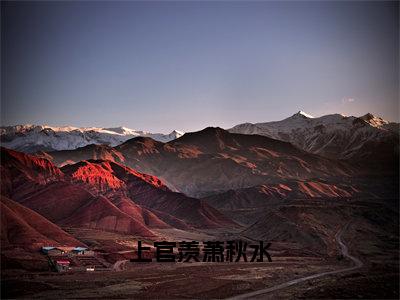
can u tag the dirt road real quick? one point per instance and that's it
(119, 265)
(357, 264)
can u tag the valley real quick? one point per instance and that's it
(286, 274)
(326, 219)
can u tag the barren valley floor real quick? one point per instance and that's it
(376, 278)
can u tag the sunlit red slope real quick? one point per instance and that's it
(120, 183)
(107, 196)
(107, 175)
(67, 204)
(21, 172)
(267, 194)
(22, 227)
(38, 184)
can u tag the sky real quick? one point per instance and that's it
(160, 66)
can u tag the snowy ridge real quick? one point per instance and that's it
(335, 135)
(302, 113)
(32, 138)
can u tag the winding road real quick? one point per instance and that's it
(119, 265)
(357, 264)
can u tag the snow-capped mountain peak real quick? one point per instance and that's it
(303, 114)
(334, 135)
(122, 130)
(176, 134)
(373, 120)
(32, 138)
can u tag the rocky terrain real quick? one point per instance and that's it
(211, 184)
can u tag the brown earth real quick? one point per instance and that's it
(213, 160)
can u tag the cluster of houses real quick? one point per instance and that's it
(49, 250)
(61, 257)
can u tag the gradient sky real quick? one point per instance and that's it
(160, 66)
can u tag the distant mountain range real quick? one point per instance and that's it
(32, 138)
(333, 136)
(214, 160)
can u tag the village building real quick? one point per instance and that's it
(60, 250)
(66, 249)
(62, 265)
(65, 258)
(82, 251)
(52, 251)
